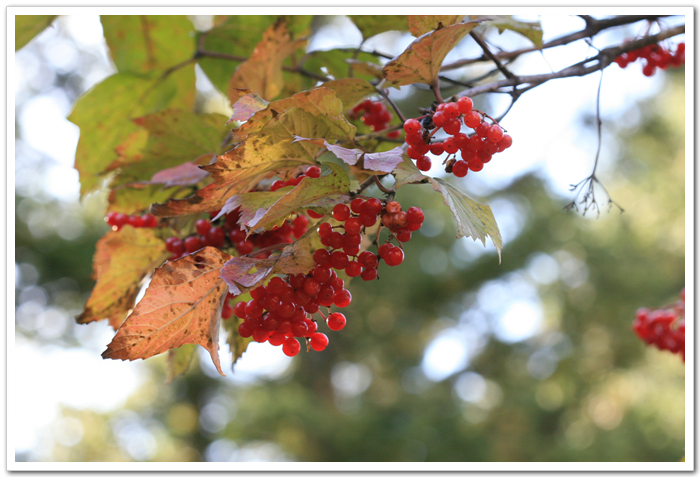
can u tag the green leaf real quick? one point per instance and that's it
(121, 262)
(173, 137)
(236, 343)
(237, 36)
(145, 43)
(179, 360)
(262, 72)
(182, 305)
(385, 161)
(370, 25)
(104, 116)
(29, 26)
(421, 61)
(532, 30)
(473, 219)
(265, 210)
(336, 63)
(137, 197)
(421, 24)
(350, 90)
(407, 172)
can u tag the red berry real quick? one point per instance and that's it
(452, 126)
(339, 260)
(373, 206)
(192, 243)
(226, 311)
(472, 119)
(451, 110)
(135, 221)
(354, 269)
(336, 240)
(437, 148)
(465, 104)
(291, 347)
(357, 204)
(424, 163)
(353, 226)
(415, 215)
(366, 219)
(258, 293)
(450, 146)
(342, 298)
(149, 220)
(314, 215)
(394, 257)
(314, 172)
(336, 321)
(414, 139)
(203, 226)
(341, 212)
(495, 133)
(369, 274)
(244, 330)
(439, 119)
(311, 286)
(393, 207)
(476, 165)
(460, 169)
(276, 185)
(120, 219)
(239, 309)
(368, 259)
(319, 341)
(412, 126)
(505, 143)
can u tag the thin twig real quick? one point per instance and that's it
(479, 41)
(396, 109)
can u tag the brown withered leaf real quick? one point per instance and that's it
(121, 262)
(262, 72)
(182, 305)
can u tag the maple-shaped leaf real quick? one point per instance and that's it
(168, 138)
(29, 26)
(320, 102)
(233, 35)
(144, 43)
(351, 90)
(384, 161)
(104, 116)
(265, 210)
(122, 260)
(421, 61)
(179, 360)
(335, 63)
(262, 72)
(268, 146)
(473, 219)
(370, 25)
(182, 305)
(420, 24)
(245, 104)
(407, 172)
(532, 30)
(243, 274)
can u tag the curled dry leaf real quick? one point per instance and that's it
(182, 305)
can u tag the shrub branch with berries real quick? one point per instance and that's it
(259, 221)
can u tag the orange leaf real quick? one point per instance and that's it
(262, 72)
(182, 305)
(121, 262)
(421, 61)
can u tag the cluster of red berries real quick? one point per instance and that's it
(656, 56)
(664, 328)
(117, 220)
(230, 235)
(375, 116)
(475, 150)
(279, 312)
(313, 172)
(345, 247)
